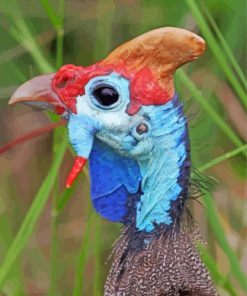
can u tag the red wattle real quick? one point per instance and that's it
(76, 169)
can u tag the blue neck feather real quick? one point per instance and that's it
(165, 171)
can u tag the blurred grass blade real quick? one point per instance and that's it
(33, 214)
(222, 158)
(66, 196)
(60, 34)
(16, 281)
(82, 258)
(98, 272)
(57, 20)
(54, 242)
(218, 278)
(22, 33)
(225, 46)
(68, 193)
(218, 230)
(218, 53)
(23, 36)
(51, 13)
(54, 261)
(182, 76)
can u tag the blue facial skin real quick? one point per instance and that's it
(81, 133)
(121, 160)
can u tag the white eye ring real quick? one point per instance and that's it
(116, 86)
(140, 130)
(105, 96)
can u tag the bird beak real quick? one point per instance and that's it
(38, 92)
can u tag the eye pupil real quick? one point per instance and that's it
(106, 95)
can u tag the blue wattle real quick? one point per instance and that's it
(113, 177)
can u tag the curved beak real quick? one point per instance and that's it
(38, 92)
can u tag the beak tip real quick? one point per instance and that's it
(11, 101)
(38, 89)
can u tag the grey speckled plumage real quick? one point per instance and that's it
(168, 265)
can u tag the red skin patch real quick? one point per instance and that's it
(145, 90)
(79, 163)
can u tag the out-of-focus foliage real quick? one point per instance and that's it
(51, 240)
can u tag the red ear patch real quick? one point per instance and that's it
(70, 80)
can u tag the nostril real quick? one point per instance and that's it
(62, 81)
(61, 84)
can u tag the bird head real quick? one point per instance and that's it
(119, 112)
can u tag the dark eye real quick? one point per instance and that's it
(106, 95)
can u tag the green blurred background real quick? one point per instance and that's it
(51, 241)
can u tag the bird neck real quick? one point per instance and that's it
(165, 172)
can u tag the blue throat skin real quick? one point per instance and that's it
(147, 188)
